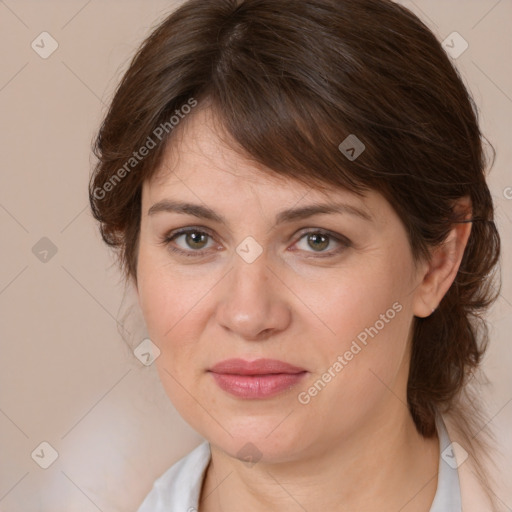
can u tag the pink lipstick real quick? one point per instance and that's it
(262, 378)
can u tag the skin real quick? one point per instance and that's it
(354, 446)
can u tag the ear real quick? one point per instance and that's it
(438, 274)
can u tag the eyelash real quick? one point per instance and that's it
(171, 236)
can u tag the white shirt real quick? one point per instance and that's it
(179, 488)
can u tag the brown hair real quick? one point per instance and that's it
(288, 81)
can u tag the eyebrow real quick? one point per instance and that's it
(292, 214)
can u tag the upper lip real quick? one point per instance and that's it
(257, 367)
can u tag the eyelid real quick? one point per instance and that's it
(337, 236)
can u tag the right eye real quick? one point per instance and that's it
(193, 241)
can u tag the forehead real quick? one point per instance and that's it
(205, 165)
(200, 146)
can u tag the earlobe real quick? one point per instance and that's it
(440, 272)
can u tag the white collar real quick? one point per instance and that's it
(448, 486)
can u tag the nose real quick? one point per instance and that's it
(253, 300)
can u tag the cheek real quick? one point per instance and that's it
(173, 303)
(360, 303)
(171, 306)
(368, 315)
(360, 364)
(370, 342)
(165, 297)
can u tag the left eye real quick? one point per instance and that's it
(319, 241)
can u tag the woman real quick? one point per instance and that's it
(297, 192)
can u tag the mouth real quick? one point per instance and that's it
(262, 378)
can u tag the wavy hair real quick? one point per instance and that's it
(288, 81)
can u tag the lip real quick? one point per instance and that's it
(257, 367)
(262, 378)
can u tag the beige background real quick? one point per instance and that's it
(66, 376)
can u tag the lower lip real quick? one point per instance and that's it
(257, 386)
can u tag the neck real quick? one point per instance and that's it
(387, 468)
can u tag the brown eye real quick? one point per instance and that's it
(193, 242)
(319, 242)
(195, 239)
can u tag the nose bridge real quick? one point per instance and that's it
(251, 303)
(250, 266)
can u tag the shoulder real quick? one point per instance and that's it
(179, 487)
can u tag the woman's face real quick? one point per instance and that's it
(332, 294)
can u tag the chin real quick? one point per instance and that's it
(260, 441)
